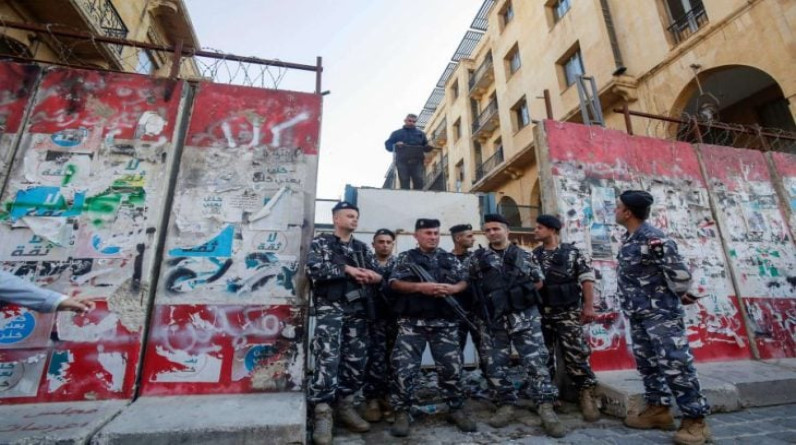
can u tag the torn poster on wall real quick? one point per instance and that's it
(589, 167)
(79, 216)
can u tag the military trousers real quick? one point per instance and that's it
(378, 374)
(443, 339)
(523, 330)
(664, 358)
(339, 347)
(561, 327)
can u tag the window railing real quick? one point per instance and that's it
(488, 113)
(107, 18)
(487, 166)
(683, 27)
(438, 169)
(481, 71)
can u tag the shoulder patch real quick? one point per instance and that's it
(656, 247)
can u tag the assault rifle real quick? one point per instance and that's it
(426, 277)
(361, 292)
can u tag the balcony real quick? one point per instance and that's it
(482, 77)
(440, 134)
(487, 166)
(487, 121)
(106, 18)
(683, 27)
(436, 178)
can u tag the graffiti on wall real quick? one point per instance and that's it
(228, 318)
(18, 81)
(589, 168)
(79, 215)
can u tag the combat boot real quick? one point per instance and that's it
(588, 406)
(550, 422)
(387, 413)
(400, 428)
(502, 417)
(371, 411)
(462, 420)
(322, 425)
(693, 431)
(349, 418)
(653, 416)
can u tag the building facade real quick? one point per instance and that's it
(158, 22)
(719, 60)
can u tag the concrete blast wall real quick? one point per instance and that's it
(724, 208)
(112, 173)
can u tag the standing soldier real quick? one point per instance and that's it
(340, 267)
(653, 282)
(505, 281)
(463, 240)
(569, 279)
(382, 336)
(424, 315)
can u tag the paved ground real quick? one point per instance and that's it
(768, 425)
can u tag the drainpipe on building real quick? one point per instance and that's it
(609, 25)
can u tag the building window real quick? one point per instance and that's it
(559, 8)
(457, 129)
(573, 67)
(685, 18)
(506, 14)
(521, 113)
(513, 61)
(146, 65)
(459, 175)
(455, 90)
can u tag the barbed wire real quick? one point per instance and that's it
(694, 130)
(75, 52)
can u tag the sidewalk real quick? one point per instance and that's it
(753, 402)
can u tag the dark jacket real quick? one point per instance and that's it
(409, 136)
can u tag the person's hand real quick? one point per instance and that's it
(373, 277)
(588, 315)
(80, 306)
(430, 289)
(399, 144)
(687, 299)
(358, 274)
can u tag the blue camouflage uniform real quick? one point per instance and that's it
(510, 316)
(424, 318)
(378, 372)
(651, 277)
(339, 345)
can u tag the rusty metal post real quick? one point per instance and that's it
(697, 131)
(175, 60)
(628, 124)
(548, 105)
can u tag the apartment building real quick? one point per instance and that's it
(159, 22)
(722, 60)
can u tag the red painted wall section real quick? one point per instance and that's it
(227, 317)
(590, 167)
(762, 254)
(17, 82)
(80, 215)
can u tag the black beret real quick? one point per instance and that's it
(424, 223)
(495, 217)
(638, 199)
(344, 205)
(388, 232)
(460, 228)
(549, 221)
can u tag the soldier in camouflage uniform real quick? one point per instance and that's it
(340, 268)
(569, 281)
(463, 240)
(653, 282)
(424, 316)
(505, 281)
(382, 336)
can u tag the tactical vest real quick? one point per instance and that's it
(417, 305)
(560, 287)
(334, 290)
(508, 288)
